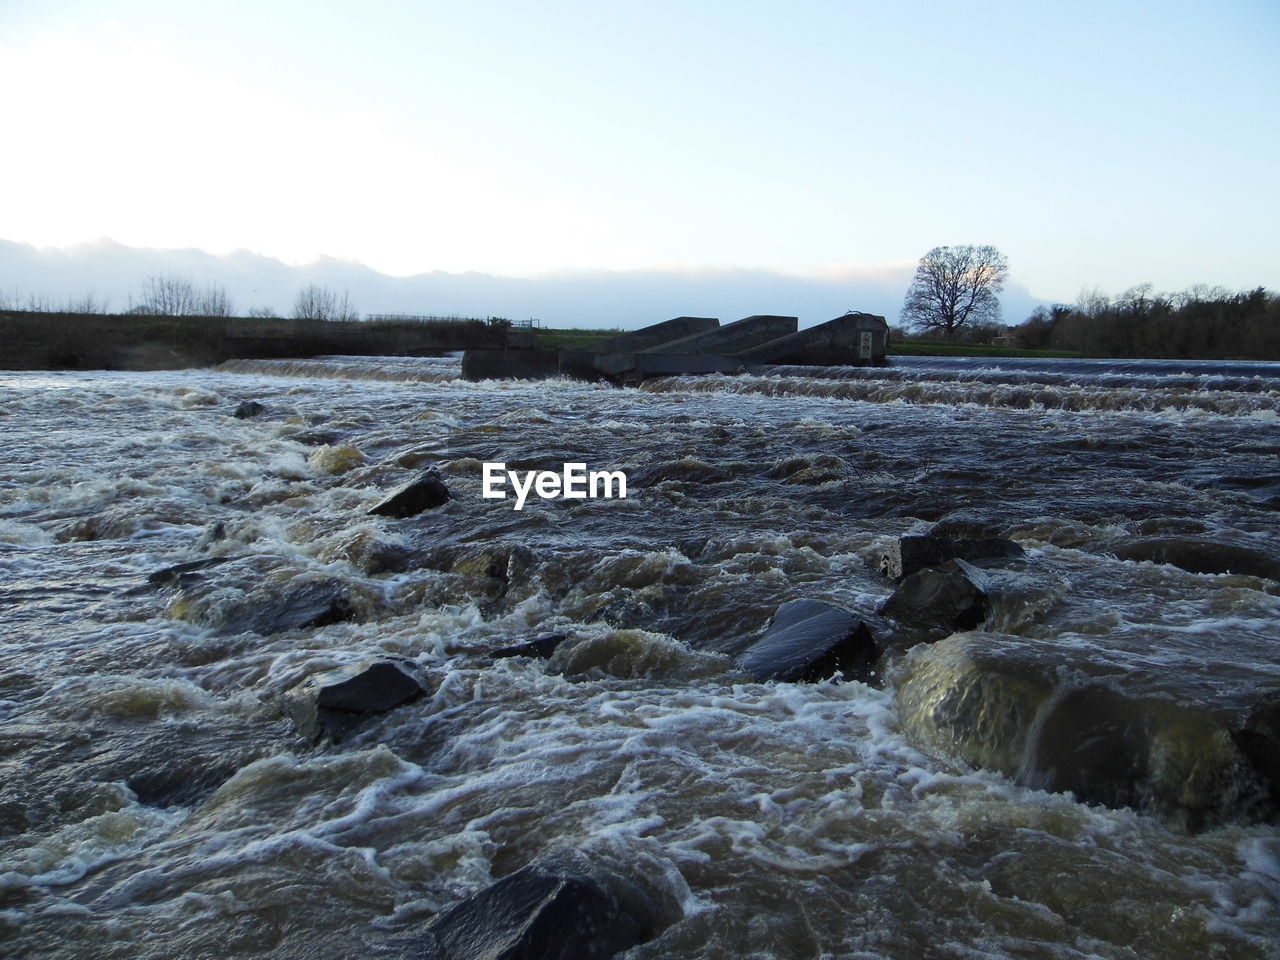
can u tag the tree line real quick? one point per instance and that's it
(1198, 323)
(953, 296)
(173, 295)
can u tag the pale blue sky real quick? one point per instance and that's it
(1096, 144)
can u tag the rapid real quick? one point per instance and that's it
(157, 800)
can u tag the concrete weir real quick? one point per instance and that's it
(732, 337)
(855, 339)
(694, 345)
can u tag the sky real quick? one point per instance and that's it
(1097, 145)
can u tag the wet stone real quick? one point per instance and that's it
(183, 572)
(542, 911)
(340, 702)
(809, 640)
(1202, 555)
(247, 409)
(1060, 721)
(302, 606)
(425, 492)
(540, 648)
(941, 600)
(913, 554)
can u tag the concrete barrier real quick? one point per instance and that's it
(510, 364)
(853, 339)
(732, 337)
(654, 335)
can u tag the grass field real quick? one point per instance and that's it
(572, 339)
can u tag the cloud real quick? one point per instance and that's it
(116, 273)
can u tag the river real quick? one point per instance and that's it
(157, 800)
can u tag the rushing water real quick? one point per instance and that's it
(157, 802)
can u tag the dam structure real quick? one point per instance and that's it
(693, 345)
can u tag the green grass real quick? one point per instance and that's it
(571, 338)
(933, 349)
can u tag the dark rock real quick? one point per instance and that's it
(376, 689)
(338, 703)
(546, 911)
(181, 572)
(181, 764)
(262, 594)
(808, 640)
(941, 599)
(1063, 720)
(424, 492)
(1202, 555)
(303, 606)
(912, 554)
(385, 557)
(541, 648)
(1258, 738)
(247, 409)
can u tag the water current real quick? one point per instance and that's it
(156, 800)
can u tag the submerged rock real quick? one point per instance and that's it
(180, 572)
(808, 640)
(335, 459)
(1202, 555)
(425, 492)
(297, 605)
(338, 703)
(247, 409)
(912, 554)
(261, 594)
(1060, 722)
(555, 910)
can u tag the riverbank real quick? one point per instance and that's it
(78, 341)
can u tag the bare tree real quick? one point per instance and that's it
(213, 301)
(315, 302)
(171, 295)
(956, 287)
(88, 303)
(168, 295)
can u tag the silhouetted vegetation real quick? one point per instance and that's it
(939, 348)
(955, 288)
(171, 295)
(316, 302)
(39, 340)
(1200, 323)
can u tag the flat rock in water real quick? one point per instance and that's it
(809, 640)
(941, 599)
(542, 912)
(338, 703)
(1202, 555)
(425, 492)
(912, 554)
